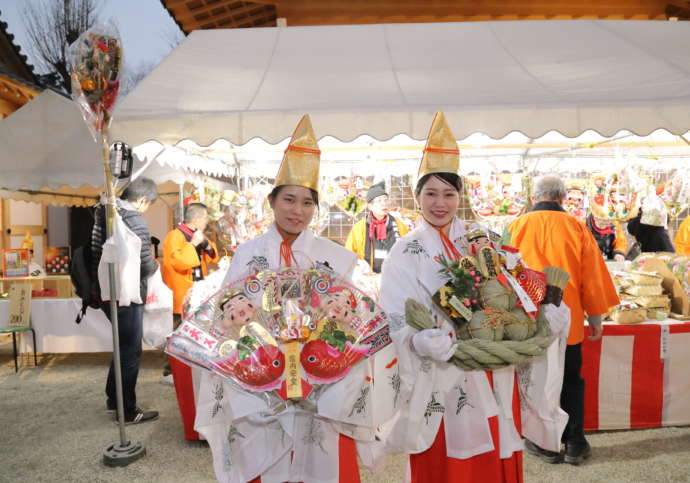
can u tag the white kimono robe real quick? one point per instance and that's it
(437, 391)
(247, 437)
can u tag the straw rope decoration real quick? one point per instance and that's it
(491, 351)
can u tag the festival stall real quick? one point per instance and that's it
(382, 80)
(45, 155)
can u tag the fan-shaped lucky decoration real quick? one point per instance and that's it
(497, 197)
(286, 331)
(676, 193)
(615, 196)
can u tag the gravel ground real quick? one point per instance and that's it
(55, 428)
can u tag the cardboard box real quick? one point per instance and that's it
(679, 299)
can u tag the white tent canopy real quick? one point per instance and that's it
(382, 80)
(48, 155)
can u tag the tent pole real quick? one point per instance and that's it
(127, 451)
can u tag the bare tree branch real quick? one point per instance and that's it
(51, 26)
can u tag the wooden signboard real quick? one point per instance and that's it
(20, 305)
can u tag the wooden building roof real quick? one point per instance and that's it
(209, 14)
(18, 84)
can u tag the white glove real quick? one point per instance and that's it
(433, 343)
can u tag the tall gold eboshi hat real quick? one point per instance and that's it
(441, 153)
(300, 165)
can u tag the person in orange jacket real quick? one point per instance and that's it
(187, 253)
(548, 236)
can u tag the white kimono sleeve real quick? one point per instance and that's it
(540, 382)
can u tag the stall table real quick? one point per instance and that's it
(56, 331)
(637, 376)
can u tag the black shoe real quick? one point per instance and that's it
(139, 416)
(577, 453)
(550, 457)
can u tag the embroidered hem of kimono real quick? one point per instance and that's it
(347, 462)
(433, 466)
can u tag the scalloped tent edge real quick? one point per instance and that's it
(382, 80)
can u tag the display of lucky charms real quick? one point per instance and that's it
(575, 203)
(244, 216)
(347, 193)
(615, 196)
(284, 333)
(676, 193)
(96, 61)
(491, 294)
(497, 197)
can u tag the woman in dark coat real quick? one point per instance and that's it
(651, 238)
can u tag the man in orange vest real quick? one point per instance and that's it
(186, 254)
(548, 236)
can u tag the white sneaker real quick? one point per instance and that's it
(168, 380)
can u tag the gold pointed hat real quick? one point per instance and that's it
(441, 153)
(300, 165)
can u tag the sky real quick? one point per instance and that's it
(145, 27)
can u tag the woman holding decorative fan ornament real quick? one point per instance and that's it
(453, 293)
(288, 387)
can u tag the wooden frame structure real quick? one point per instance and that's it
(211, 14)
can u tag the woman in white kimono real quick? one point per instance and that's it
(459, 426)
(314, 442)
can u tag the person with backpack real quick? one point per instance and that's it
(134, 201)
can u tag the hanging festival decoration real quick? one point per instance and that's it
(575, 203)
(244, 215)
(347, 193)
(497, 198)
(96, 62)
(282, 332)
(676, 193)
(615, 196)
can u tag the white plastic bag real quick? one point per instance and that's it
(158, 317)
(124, 250)
(158, 296)
(157, 326)
(653, 210)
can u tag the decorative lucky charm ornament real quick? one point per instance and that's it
(575, 203)
(493, 301)
(281, 333)
(615, 196)
(497, 198)
(96, 63)
(676, 193)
